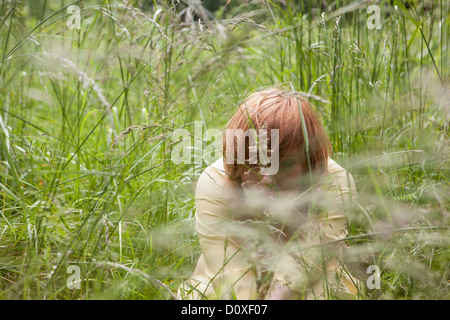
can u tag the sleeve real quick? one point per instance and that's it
(224, 258)
(339, 190)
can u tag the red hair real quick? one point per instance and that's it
(276, 108)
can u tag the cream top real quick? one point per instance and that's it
(235, 252)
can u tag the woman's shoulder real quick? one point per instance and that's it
(212, 180)
(334, 167)
(215, 172)
(340, 176)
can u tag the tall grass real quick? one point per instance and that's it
(87, 117)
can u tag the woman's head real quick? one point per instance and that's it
(279, 110)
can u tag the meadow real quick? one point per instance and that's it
(91, 93)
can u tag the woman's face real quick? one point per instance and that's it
(288, 177)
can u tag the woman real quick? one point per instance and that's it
(272, 234)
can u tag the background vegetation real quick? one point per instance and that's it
(86, 117)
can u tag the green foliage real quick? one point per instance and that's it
(87, 116)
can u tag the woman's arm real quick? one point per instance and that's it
(226, 260)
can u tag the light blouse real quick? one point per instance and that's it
(239, 258)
